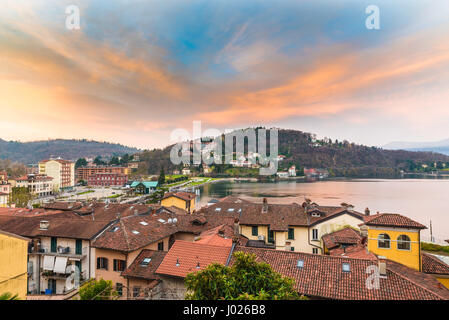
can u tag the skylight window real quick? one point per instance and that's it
(161, 220)
(143, 223)
(114, 229)
(231, 209)
(135, 232)
(146, 262)
(300, 263)
(217, 209)
(346, 267)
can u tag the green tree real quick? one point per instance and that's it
(161, 179)
(81, 162)
(97, 290)
(246, 279)
(9, 296)
(20, 196)
(99, 162)
(114, 161)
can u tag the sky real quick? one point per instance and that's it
(137, 70)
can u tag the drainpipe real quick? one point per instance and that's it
(230, 254)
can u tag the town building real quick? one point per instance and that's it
(107, 179)
(83, 173)
(40, 185)
(5, 190)
(292, 171)
(182, 200)
(13, 264)
(395, 237)
(144, 187)
(291, 227)
(62, 172)
(59, 255)
(3, 176)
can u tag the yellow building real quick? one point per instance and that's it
(182, 200)
(395, 237)
(433, 264)
(3, 200)
(62, 172)
(13, 264)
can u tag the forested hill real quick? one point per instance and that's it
(341, 158)
(33, 152)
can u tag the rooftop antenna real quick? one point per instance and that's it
(432, 239)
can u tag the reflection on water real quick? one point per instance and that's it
(420, 199)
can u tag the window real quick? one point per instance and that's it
(292, 248)
(300, 263)
(145, 262)
(254, 230)
(79, 246)
(383, 241)
(54, 244)
(102, 263)
(119, 265)
(314, 234)
(291, 233)
(136, 291)
(119, 289)
(403, 242)
(160, 246)
(346, 267)
(315, 250)
(270, 236)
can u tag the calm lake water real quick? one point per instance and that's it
(423, 200)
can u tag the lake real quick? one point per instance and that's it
(423, 200)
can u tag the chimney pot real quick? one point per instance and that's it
(367, 212)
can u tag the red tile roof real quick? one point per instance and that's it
(433, 265)
(344, 236)
(358, 251)
(322, 276)
(187, 196)
(189, 255)
(216, 236)
(137, 270)
(393, 220)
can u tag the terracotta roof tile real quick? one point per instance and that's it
(322, 276)
(393, 220)
(344, 236)
(189, 256)
(145, 271)
(433, 265)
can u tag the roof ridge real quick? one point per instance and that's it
(125, 234)
(436, 259)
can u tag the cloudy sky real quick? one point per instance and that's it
(136, 70)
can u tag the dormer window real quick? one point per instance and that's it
(315, 214)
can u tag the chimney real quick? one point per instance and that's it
(44, 224)
(364, 231)
(367, 212)
(265, 205)
(136, 212)
(236, 226)
(382, 266)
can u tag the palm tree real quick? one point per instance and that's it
(9, 296)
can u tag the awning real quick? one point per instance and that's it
(60, 264)
(49, 263)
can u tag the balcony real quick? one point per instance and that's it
(60, 252)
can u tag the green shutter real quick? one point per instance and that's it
(291, 233)
(255, 231)
(79, 246)
(54, 244)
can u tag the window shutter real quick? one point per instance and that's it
(98, 263)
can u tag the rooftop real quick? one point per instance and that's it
(185, 257)
(145, 265)
(393, 220)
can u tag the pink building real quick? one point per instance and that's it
(107, 179)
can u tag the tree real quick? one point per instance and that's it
(97, 290)
(246, 279)
(161, 179)
(99, 162)
(9, 296)
(20, 196)
(81, 162)
(114, 161)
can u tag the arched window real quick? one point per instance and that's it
(403, 242)
(383, 241)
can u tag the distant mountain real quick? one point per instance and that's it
(33, 152)
(436, 146)
(341, 158)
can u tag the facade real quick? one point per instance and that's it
(395, 237)
(290, 227)
(40, 185)
(13, 264)
(292, 171)
(144, 187)
(83, 173)
(5, 190)
(182, 200)
(59, 254)
(107, 179)
(62, 172)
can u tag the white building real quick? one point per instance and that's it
(38, 184)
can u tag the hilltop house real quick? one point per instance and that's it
(182, 200)
(144, 187)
